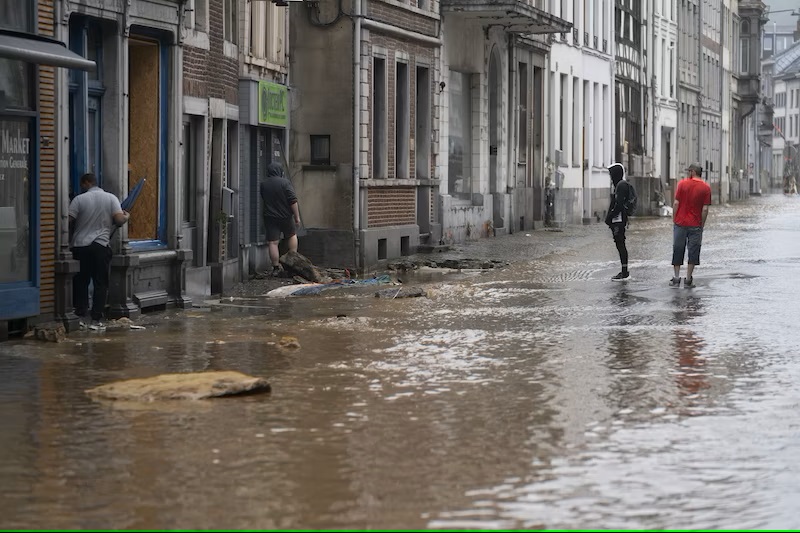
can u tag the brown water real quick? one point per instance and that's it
(540, 395)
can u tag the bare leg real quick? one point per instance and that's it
(677, 269)
(293, 243)
(689, 270)
(274, 255)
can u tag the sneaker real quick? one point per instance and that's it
(675, 282)
(97, 325)
(688, 283)
(277, 271)
(621, 276)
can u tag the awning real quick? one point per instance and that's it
(41, 50)
(515, 16)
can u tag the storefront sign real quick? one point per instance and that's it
(273, 104)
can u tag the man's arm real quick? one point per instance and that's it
(296, 211)
(674, 209)
(121, 218)
(704, 214)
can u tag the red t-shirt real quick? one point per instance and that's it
(692, 194)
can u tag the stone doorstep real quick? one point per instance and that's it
(150, 298)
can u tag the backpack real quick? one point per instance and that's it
(629, 206)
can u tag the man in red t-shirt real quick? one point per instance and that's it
(690, 210)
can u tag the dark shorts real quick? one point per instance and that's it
(276, 226)
(618, 231)
(683, 236)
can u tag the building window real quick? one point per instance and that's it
(16, 87)
(15, 84)
(459, 161)
(380, 136)
(196, 15)
(562, 114)
(192, 161)
(522, 137)
(267, 31)
(422, 136)
(231, 23)
(402, 118)
(17, 15)
(768, 43)
(15, 199)
(745, 55)
(320, 149)
(576, 121)
(671, 73)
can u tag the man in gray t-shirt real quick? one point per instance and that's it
(91, 217)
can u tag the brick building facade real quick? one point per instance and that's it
(210, 150)
(372, 198)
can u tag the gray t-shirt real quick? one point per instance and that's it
(93, 212)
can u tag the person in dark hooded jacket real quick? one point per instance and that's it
(617, 218)
(281, 213)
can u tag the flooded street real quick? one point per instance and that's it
(540, 395)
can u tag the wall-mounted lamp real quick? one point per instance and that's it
(442, 85)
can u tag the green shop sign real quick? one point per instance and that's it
(273, 104)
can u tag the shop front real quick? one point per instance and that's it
(265, 119)
(22, 51)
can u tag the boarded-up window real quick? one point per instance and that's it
(144, 135)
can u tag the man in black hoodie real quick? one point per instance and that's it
(281, 213)
(617, 218)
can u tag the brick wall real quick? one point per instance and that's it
(391, 206)
(47, 168)
(210, 73)
(402, 18)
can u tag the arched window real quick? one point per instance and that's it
(745, 27)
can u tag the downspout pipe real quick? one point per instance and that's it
(700, 81)
(357, 133)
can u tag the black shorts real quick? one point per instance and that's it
(276, 226)
(618, 231)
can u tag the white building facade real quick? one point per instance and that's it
(494, 122)
(664, 100)
(581, 99)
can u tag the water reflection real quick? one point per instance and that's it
(535, 396)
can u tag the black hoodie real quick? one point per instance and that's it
(277, 193)
(619, 194)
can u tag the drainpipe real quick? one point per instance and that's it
(654, 88)
(700, 81)
(722, 40)
(643, 81)
(357, 132)
(513, 118)
(62, 132)
(65, 266)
